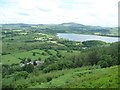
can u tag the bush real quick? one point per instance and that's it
(7, 83)
(49, 78)
(59, 55)
(41, 79)
(39, 59)
(29, 68)
(22, 84)
(106, 61)
(34, 54)
(43, 53)
(34, 80)
(29, 59)
(19, 75)
(59, 65)
(103, 64)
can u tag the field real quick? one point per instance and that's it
(14, 58)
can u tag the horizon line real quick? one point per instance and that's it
(56, 24)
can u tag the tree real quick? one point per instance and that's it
(106, 61)
(92, 56)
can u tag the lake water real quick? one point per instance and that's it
(82, 37)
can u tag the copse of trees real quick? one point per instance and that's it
(93, 43)
(103, 56)
(58, 66)
(71, 45)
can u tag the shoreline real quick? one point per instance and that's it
(89, 34)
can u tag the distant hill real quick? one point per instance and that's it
(69, 27)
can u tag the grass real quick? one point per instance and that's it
(9, 59)
(14, 58)
(84, 78)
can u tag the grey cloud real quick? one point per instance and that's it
(44, 10)
(24, 14)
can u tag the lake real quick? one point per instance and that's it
(82, 37)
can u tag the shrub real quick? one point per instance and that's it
(19, 75)
(34, 54)
(29, 68)
(29, 59)
(7, 83)
(49, 78)
(33, 80)
(22, 84)
(41, 79)
(103, 64)
(39, 59)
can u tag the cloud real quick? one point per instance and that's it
(90, 12)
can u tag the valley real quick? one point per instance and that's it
(62, 63)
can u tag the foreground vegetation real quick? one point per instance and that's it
(84, 77)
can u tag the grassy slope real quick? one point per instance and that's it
(85, 77)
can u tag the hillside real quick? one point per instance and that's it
(84, 77)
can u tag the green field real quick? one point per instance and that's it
(14, 58)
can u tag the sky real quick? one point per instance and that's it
(87, 12)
